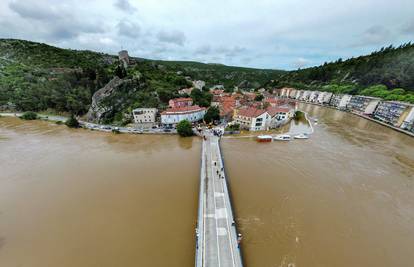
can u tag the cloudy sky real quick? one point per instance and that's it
(282, 34)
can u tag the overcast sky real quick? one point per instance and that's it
(279, 34)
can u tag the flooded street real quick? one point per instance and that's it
(80, 198)
(342, 198)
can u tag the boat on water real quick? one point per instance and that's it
(302, 136)
(282, 137)
(264, 138)
(315, 120)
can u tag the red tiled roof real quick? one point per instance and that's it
(189, 109)
(250, 112)
(182, 99)
(273, 111)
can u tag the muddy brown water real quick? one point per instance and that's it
(80, 198)
(345, 197)
(68, 198)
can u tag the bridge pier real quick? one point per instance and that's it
(217, 237)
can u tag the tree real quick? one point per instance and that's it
(212, 114)
(259, 98)
(184, 128)
(29, 115)
(72, 122)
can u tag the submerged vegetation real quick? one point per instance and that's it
(29, 116)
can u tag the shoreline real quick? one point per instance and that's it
(362, 116)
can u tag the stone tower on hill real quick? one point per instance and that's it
(124, 58)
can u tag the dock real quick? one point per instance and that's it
(217, 239)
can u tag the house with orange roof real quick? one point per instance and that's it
(252, 119)
(180, 102)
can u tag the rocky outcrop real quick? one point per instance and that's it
(98, 109)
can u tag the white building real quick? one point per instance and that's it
(299, 94)
(252, 119)
(144, 115)
(324, 97)
(314, 96)
(173, 116)
(408, 123)
(305, 96)
(363, 104)
(199, 84)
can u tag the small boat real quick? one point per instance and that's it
(264, 138)
(315, 120)
(301, 136)
(282, 137)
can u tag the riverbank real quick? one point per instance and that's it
(94, 126)
(362, 116)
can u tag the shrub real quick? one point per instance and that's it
(184, 128)
(29, 115)
(72, 122)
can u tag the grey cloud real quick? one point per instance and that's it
(172, 37)
(125, 6)
(33, 11)
(129, 29)
(53, 20)
(408, 28)
(374, 35)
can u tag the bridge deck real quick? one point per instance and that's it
(217, 236)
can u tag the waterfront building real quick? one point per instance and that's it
(252, 119)
(172, 116)
(408, 123)
(285, 92)
(280, 115)
(144, 115)
(365, 105)
(340, 101)
(292, 93)
(314, 96)
(299, 94)
(393, 112)
(324, 97)
(180, 102)
(306, 95)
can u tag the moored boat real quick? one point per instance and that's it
(282, 137)
(264, 138)
(302, 136)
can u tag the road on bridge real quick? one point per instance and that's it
(217, 238)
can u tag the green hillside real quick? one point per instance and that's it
(388, 73)
(35, 76)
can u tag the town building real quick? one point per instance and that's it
(180, 102)
(199, 84)
(185, 91)
(340, 101)
(306, 95)
(365, 105)
(313, 96)
(173, 116)
(144, 115)
(252, 119)
(324, 97)
(280, 115)
(393, 112)
(292, 93)
(299, 94)
(408, 123)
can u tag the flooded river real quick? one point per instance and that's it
(345, 197)
(71, 198)
(87, 199)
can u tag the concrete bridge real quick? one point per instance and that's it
(217, 237)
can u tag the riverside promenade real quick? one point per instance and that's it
(217, 237)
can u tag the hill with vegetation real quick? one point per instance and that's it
(387, 73)
(38, 77)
